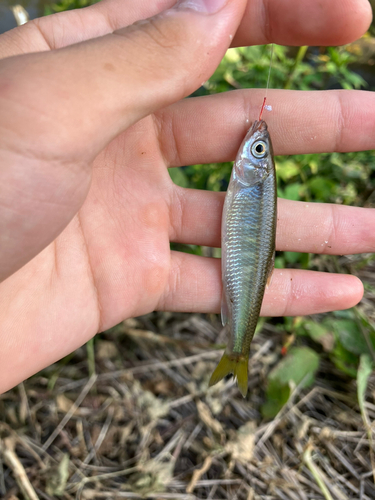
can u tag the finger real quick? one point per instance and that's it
(109, 77)
(195, 285)
(303, 22)
(74, 26)
(287, 22)
(301, 227)
(324, 228)
(210, 129)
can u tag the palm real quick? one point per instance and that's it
(115, 252)
(125, 222)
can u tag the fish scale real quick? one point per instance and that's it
(248, 246)
(248, 258)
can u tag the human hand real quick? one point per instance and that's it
(87, 208)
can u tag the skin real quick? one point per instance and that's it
(89, 123)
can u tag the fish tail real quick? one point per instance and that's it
(235, 364)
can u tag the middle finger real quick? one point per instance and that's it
(301, 227)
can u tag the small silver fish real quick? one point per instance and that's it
(248, 249)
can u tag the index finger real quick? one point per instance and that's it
(286, 22)
(210, 129)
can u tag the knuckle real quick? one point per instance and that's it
(177, 214)
(341, 121)
(172, 287)
(160, 33)
(169, 143)
(164, 37)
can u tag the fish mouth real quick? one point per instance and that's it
(259, 126)
(258, 130)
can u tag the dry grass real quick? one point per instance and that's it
(142, 423)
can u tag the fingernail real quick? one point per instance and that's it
(205, 6)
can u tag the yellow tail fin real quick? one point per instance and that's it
(236, 364)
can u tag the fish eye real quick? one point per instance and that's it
(259, 149)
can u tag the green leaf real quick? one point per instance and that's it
(291, 191)
(279, 262)
(364, 371)
(277, 396)
(297, 368)
(178, 177)
(321, 188)
(350, 336)
(344, 360)
(300, 361)
(304, 260)
(292, 257)
(192, 249)
(232, 56)
(319, 332)
(287, 169)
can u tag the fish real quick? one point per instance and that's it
(247, 249)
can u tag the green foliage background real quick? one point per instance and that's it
(347, 338)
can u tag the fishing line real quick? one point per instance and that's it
(268, 84)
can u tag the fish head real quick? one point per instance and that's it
(255, 157)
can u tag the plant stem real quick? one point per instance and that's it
(299, 57)
(91, 357)
(307, 458)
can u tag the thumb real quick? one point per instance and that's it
(103, 85)
(173, 53)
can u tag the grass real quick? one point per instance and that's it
(145, 424)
